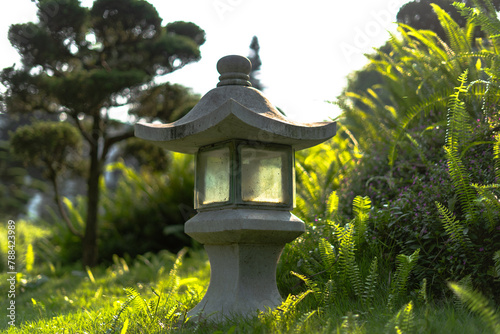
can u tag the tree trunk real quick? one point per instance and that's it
(89, 242)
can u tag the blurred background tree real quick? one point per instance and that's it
(81, 64)
(256, 64)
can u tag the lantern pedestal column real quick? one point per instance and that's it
(244, 246)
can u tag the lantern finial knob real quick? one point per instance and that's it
(234, 70)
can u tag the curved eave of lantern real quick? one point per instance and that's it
(234, 112)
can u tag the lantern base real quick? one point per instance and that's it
(243, 246)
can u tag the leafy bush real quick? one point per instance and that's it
(143, 213)
(443, 201)
(147, 211)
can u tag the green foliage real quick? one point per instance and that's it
(52, 145)
(152, 316)
(478, 303)
(458, 39)
(382, 237)
(413, 111)
(347, 269)
(146, 211)
(143, 212)
(167, 102)
(403, 321)
(148, 155)
(399, 283)
(280, 318)
(351, 325)
(370, 284)
(79, 64)
(15, 185)
(152, 294)
(320, 170)
(361, 209)
(456, 230)
(496, 259)
(74, 302)
(329, 263)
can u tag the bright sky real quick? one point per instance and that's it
(307, 48)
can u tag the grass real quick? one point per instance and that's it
(80, 301)
(153, 293)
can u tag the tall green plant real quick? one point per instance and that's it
(418, 110)
(319, 171)
(476, 302)
(330, 265)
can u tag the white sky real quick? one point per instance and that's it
(307, 48)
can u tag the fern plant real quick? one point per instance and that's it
(153, 315)
(455, 229)
(319, 172)
(403, 321)
(399, 283)
(284, 317)
(371, 281)
(476, 302)
(478, 203)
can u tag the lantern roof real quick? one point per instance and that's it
(234, 110)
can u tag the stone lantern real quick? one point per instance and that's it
(244, 187)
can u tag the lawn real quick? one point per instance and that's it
(152, 294)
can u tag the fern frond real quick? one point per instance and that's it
(132, 293)
(496, 157)
(476, 302)
(138, 304)
(404, 321)
(328, 256)
(491, 200)
(361, 208)
(454, 228)
(348, 271)
(370, 283)
(458, 120)
(332, 205)
(436, 101)
(289, 305)
(428, 39)
(496, 260)
(488, 23)
(466, 283)
(172, 283)
(301, 322)
(461, 181)
(418, 148)
(422, 292)
(312, 285)
(457, 38)
(404, 266)
(351, 324)
(329, 292)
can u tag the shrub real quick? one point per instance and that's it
(144, 212)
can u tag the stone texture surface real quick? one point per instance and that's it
(242, 281)
(244, 246)
(244, 226)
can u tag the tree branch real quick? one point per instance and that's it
(113, 140)
(61, 209)
(82, 130)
